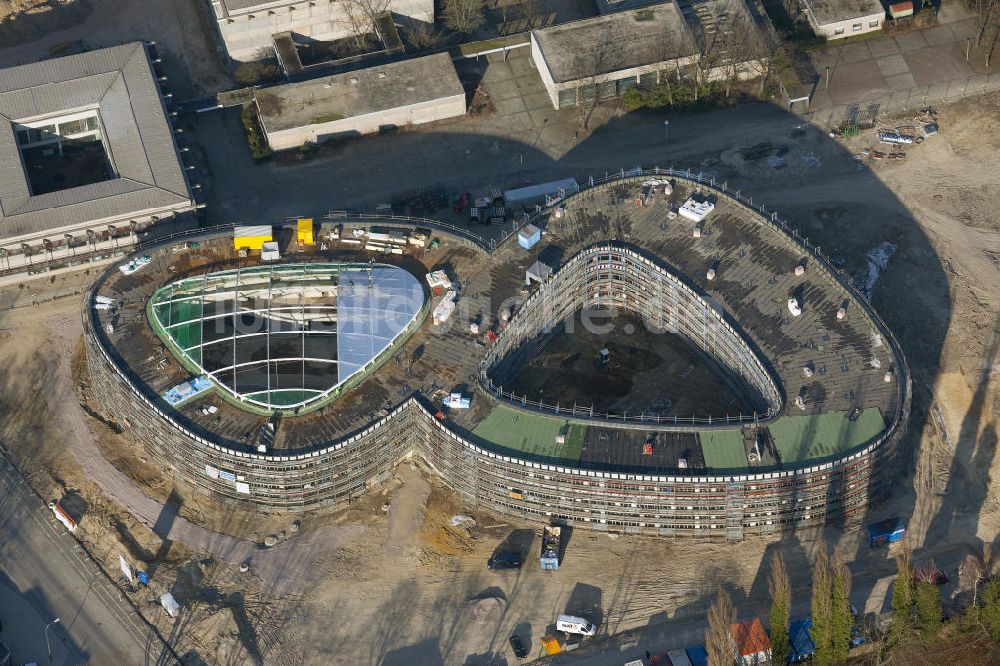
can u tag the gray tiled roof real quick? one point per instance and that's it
(120, 83)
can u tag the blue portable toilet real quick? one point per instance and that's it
(799, 635)
(886, 531)
(697, 655)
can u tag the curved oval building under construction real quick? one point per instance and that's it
(636, 371)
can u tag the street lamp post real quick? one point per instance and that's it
(48, 646)
(666, 130)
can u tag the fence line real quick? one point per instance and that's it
(624, 177)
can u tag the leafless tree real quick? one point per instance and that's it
(423, 36)
(719, 642)
(360, 15)
(530, 12)
(987, 15)
(596, 61)
(463, 15)
(730, 45)
(670, 48)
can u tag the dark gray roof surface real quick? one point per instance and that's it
(119, 82)
(615, 42)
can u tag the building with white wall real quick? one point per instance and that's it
(836, 19)
(602, 57)
(606, 55)
(409, 92)
(248, 25)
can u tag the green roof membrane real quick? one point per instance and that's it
(285, 335)
(802, 438)
(723, 449)
(533, 434)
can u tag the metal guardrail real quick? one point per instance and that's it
(623, 176)
(769, 218)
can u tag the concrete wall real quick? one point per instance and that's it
(829, 30)
(624, 279)
(246, 31)
(664, 68)
(414, 114)
(607, 501)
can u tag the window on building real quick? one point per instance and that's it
(856, 27)
(647, 80)
(625, 84)
(872, 24)
(838, 31)
(567, 98)
(607, 90)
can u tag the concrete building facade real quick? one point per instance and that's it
(692, 503)
(602, 57)
(247, 26)
(836, 19)
(87, 156)
(409, 92)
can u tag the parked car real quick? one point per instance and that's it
(517, 645)
(505, 560)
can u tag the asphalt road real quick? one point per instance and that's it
(44, 574)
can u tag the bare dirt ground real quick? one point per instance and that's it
(645, 371)
(407, 587)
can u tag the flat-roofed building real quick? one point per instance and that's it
(247, 26)
(86, 154)
(606, 55)
(409, 92)
(731, 45)
(602, 57)
(835, 19)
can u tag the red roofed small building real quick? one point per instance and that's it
(752, 643)
(901, 9)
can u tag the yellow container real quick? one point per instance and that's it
(551, 644)
(251, 238)
(305, 231)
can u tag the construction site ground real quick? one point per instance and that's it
(645, 370)
(390, 580)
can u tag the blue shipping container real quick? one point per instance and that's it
(886, 531)
(801, 640)
(697, 655)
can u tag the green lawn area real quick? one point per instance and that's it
(800, 438)
(723, 449)
(532, 434)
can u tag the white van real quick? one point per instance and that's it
(572, 624)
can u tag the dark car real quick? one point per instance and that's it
(517, 645)
(505, 560)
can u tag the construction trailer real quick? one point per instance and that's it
(540, 195)
(529, 236)
(304, 231)
(251, 238)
